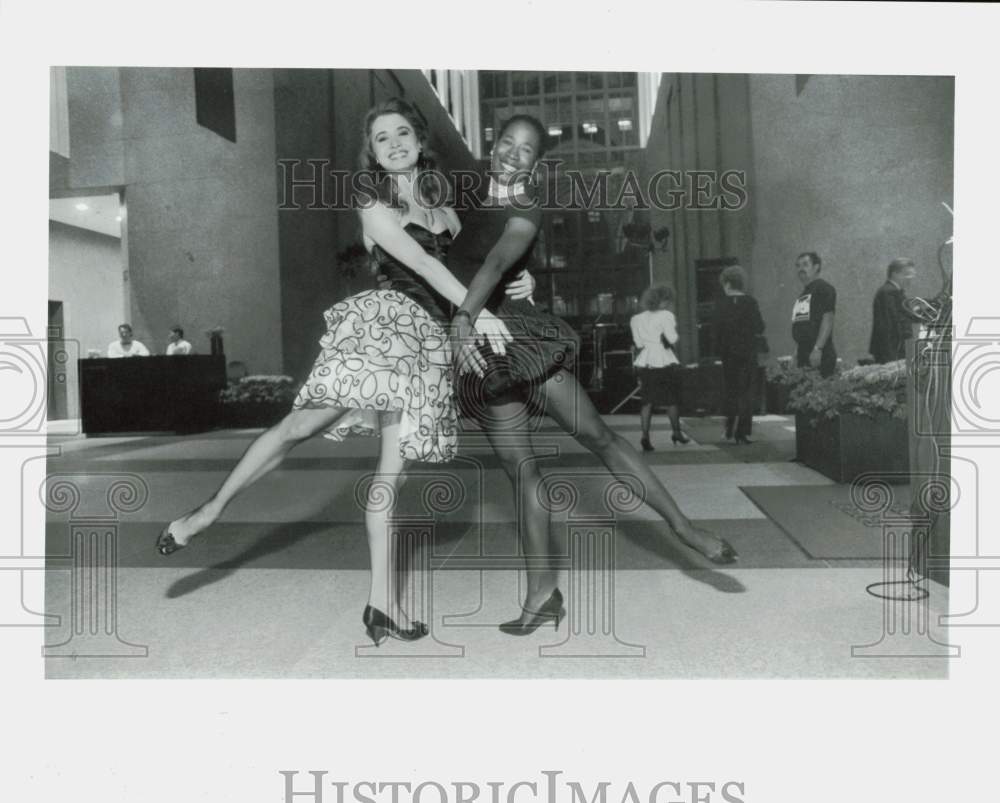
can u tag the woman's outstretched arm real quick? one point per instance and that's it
(518, 236)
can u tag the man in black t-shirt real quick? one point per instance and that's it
(812, 317)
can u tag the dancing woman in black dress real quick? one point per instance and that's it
(496, 241)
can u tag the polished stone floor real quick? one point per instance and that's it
(276, 588)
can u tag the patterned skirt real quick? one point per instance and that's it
(383, 353)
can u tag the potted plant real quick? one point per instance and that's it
(257, 401)
(853, 422)
(780, 377)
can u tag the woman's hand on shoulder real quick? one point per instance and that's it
(521, 286)
(452, 221)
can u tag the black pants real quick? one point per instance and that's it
(827, 360)
(738, 375)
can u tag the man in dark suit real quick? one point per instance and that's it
(892, 325)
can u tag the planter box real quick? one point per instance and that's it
(776, 397)
(841, 448)
(244, 415)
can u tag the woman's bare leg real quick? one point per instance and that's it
(570, 406)
(262, 456)
(520, 464)
(387, 583)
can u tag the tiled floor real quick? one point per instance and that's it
(276, 589)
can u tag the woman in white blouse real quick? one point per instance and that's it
(655, 334)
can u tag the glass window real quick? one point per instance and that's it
(620, 104)
(530, 82)
(485, 84)
(622, 122)
(501, 85)
(592, 134)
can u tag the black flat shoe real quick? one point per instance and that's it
(379, 627)
(552, 610)
(743, 439)
(646, 445)
(680, 437)
(166, 544)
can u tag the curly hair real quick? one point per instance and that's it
(654, 296)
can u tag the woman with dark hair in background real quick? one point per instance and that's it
(654, 331)
(385, 363)
(496, 241)
(737, 325)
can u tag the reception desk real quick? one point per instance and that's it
(151, 394)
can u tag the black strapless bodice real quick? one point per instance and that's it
(406, 281)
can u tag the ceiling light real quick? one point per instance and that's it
(82, 207)
(555, 130)
(625, 125)
(118, 218)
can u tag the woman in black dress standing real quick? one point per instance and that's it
(737, 324)
(495, 242)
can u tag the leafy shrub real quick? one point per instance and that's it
(260, 389)
(866, 390)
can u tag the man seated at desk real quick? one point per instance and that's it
(178, 345)
(125, 346)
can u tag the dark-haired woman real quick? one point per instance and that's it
(385, 363)
(737, 324)
(496, 241)
(654, 332)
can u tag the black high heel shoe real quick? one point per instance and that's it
(680, 437)
(379, 627)
(646, 445)
(552, 609)
(166, 544)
